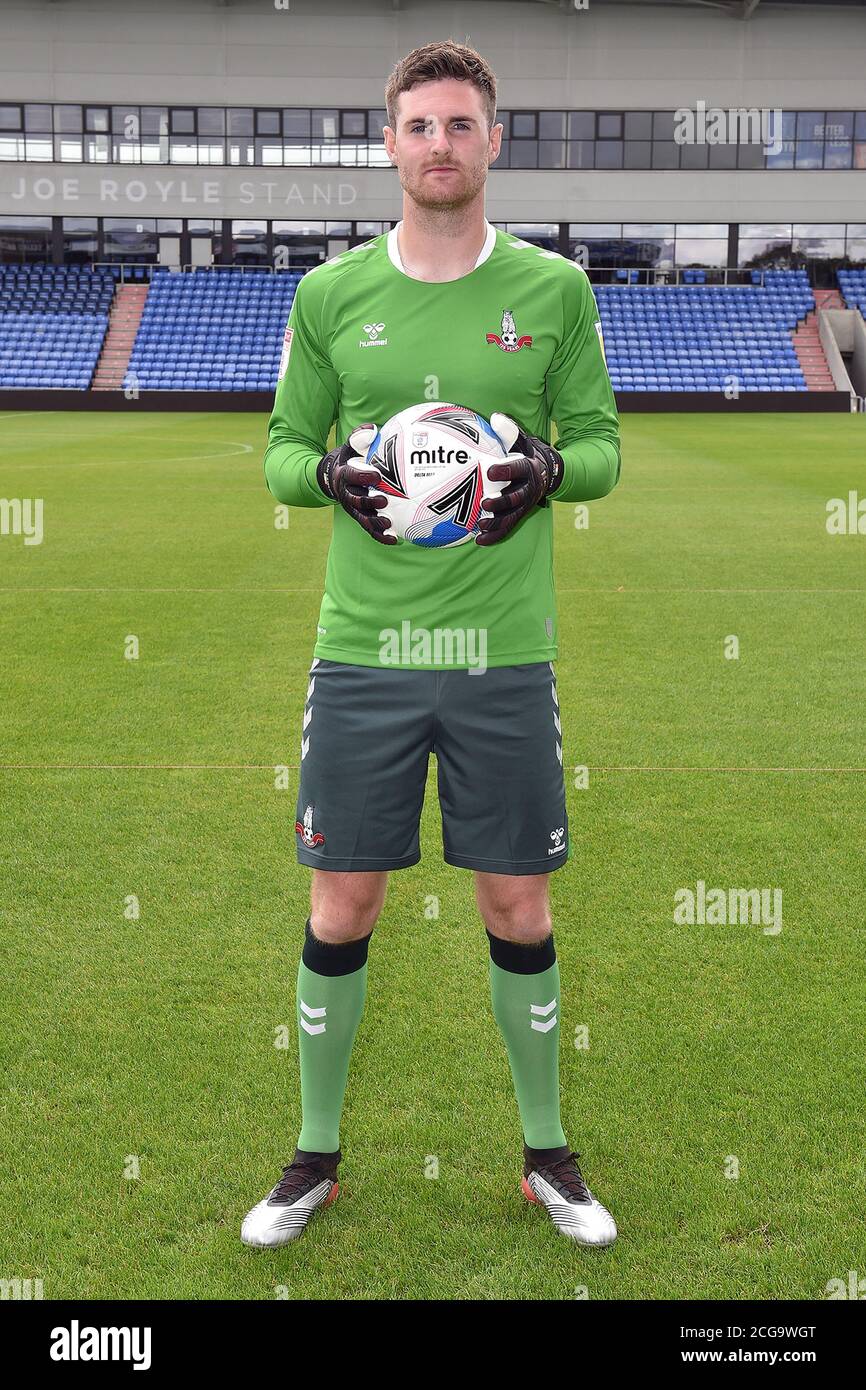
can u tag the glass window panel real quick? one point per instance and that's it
(758, 251)
(551, 154)
(325, 124)
(810, 125)
(818, 229)
(723, 157)
(608, 154)
(581, 125)
(80, 240)
(376, 122)
(39, 147)
(666, 154)
(154, 120)
(169, 226)
(298, 155)
(783, 158)
(126, 121)
(240, 120)
(859, 161)
(637, 154)
(638, 125)
(551, 125)
(860, 124)
(240, 151)
(68, 149)
(353, 123)
(96, 118)
(211, 120)
(96, 149)
(534, 231)
(584, 231)
(25, 239)
(370, 229)
(663, 128)
(523, 125)
(182, 150)
(750, 157)
(296, 124)
(10, 117)
(698, 251)
(771, 231)
(524, 154)
(820, 248)
(182, 121)
(838, 154)
(702, 229)
(267, 123)
(856, 251)
(810, 154)
(130, 239)
(11, 147)
(856, 229)
(610, 125)
(642, 230)
(839, 125)
(581, 154)
(37, 117)
(269, 151)
(67, 120)
(695, 156)
(211, 151)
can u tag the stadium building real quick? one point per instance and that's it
(170, 170)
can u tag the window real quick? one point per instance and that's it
(182, 121)
(25, 239)
(10, 118)
(80, 240)
(609, 126)
(267, 123)
(523, 125)
(353, 124)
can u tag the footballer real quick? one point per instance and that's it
(444, 307)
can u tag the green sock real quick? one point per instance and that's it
(524, 987)
(332, 985)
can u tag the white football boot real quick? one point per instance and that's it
(558, 1185)
(308, 1183)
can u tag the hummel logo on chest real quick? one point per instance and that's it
(372, 339)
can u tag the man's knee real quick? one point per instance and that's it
(515, 907)
(346, 906)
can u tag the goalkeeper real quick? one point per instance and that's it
(443, 307)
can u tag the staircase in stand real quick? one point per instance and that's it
(126, 311)
(807, 343)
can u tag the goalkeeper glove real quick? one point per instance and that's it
(533, 469)
(340, 478)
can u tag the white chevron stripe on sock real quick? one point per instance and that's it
(312, 1013)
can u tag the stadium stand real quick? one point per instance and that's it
(52, 323)
(852, 283)
(697, 337)
(212, 330)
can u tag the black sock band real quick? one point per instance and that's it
(519, 959)
(333, 958)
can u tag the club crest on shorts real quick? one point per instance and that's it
(306, 832)
(507, 338)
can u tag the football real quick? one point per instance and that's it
(433, 460)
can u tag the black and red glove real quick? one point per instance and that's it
(340, 477)
(532, 467)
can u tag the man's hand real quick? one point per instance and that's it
(532, 468)
(339, 476)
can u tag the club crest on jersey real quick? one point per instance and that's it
(507, 338)
(306, 832)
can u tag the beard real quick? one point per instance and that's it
(424, 192)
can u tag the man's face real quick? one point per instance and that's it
(441, 146)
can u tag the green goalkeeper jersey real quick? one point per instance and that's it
(520, 334)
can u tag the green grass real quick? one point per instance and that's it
(155, 1037)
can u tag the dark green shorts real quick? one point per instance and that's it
(367, 736)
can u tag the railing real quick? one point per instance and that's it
(718, 277)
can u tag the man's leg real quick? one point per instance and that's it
(524, 986)
(332, 985)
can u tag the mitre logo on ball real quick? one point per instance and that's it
(433, 460)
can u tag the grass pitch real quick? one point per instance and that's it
(718, 1106)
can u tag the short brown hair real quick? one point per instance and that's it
(435, 61)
